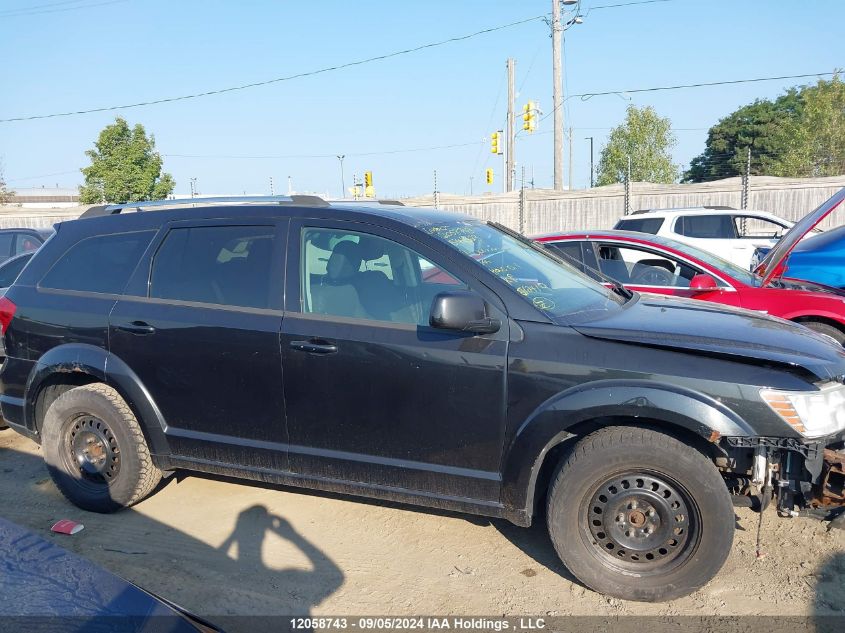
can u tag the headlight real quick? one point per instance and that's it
(811, 413)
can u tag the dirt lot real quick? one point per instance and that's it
(219, 547)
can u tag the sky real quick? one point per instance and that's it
(69, 55)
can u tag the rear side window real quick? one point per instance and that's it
(719, 227)
(225, 265)
(10, 271)
(6, 244)
(98, 264)
(641, 225)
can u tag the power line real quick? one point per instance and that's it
(40, 10)
(624, 4)
(589, 95)
(256, 84)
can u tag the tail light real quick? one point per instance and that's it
(7, 312)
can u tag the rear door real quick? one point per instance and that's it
(715, 233)
(201, 331)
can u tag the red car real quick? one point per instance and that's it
(650, 263)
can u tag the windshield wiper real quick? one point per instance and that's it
(617, 287)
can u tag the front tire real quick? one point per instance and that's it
(95, 450)
(636, 514)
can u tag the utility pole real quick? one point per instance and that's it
(628, 188)
(193, 187)
(340, 157)
(557, 94)
(272, 192)
(571, 187)
(436, 193)
(470, 185)
(592, 170)
(509, 169)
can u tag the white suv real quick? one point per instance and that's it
(732, 234)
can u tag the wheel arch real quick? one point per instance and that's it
(73, 365)
(556, 426)
(809, 318)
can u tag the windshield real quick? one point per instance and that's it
(740, 274)
(551, 286)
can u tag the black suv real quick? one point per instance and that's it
(420, 357)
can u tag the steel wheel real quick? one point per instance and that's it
(641, 522)
(92, 449)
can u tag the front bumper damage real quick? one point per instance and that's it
(803, 478)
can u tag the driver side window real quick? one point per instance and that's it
(641, 267)
(359, 275)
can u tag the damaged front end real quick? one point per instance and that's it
(803, 478)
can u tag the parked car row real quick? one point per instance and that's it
(427, 358)
(652, 263)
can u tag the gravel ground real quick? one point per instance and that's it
(220, 547)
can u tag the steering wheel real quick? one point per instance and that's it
(653, 276)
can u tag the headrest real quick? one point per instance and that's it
(344, 261)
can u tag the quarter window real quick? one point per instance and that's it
(364, 276)
(225, 265)
(98, 264)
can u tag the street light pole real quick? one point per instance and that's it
(592, 172)
(340, 157)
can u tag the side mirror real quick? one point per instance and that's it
(462, 311)
(703, 283)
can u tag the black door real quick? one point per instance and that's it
(373, 394)
(205, 340)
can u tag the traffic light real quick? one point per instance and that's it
(529, 117)
(368, 179)
(489, 175)
(494, 143)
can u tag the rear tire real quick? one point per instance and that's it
(95, 450)
(828, 330)
(637, 514)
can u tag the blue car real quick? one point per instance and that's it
(45, 588)
(820, 258)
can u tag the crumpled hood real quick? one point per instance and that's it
(717, 330)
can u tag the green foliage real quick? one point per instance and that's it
(817, 136)
(759, 126)
(124, 167)
(648, 139)
(801, 133)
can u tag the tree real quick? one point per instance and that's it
(760, 126)
(647, 139)
(816, 138)
(124, 167)
(5, 194)
(801, 133)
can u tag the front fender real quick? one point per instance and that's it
(552, 423)
(96, 362)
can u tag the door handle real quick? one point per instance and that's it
(314, 346)
(139, 328)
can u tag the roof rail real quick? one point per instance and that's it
(313, 201)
